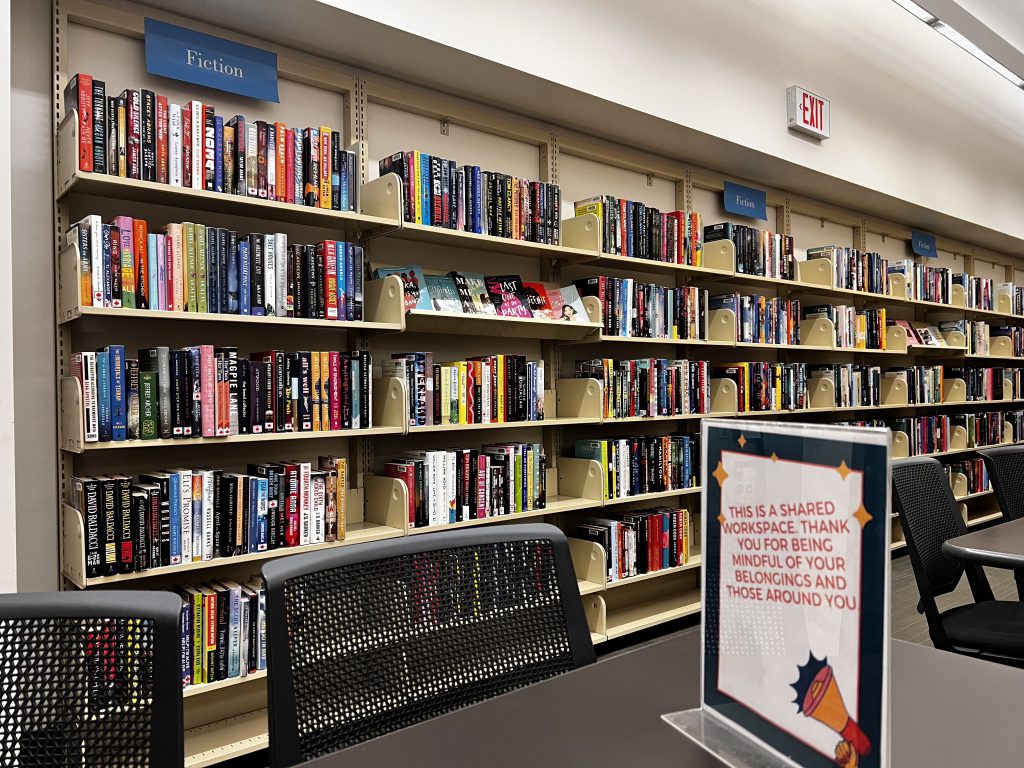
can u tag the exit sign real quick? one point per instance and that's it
(807, 112)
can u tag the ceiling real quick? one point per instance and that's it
(995, 26)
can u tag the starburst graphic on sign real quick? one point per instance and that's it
(742, 441)
(806, 676)
(774, 456)
(843, 470)
(721, 519)
(720, 474)
(862, 516)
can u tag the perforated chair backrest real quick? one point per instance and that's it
(1006, 472)
(929, 516)
(366, 640)
(91, 679)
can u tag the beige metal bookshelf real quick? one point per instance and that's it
(228, 719)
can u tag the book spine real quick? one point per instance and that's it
(174, 145)
(325, 167)
(147, 100)
(133, 116)
(261, 159)
(78, 95)
(99, 126)
(218, 153)
(108, 525)
(336, 170)
(198, 120)
(290, 167)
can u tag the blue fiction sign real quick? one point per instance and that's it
(194, 57)
(923, 244)
(745, 201)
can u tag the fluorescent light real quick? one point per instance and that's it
(955, 37)
(915, 9)
(951, 34)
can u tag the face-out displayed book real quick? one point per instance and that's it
(473, 293)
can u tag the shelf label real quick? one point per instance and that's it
(796, 568)
(745, 201)
(923, 244)
(213, 62)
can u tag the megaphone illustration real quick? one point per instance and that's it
(819, 697)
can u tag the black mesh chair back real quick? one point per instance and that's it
(1006, 472)
(929, 516)
(366, 640)
(91, 679)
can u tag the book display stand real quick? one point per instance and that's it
(376, 117)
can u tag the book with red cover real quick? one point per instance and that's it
(78, 95)
(291, 514)
(539, 303)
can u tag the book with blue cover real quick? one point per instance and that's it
(413, 282)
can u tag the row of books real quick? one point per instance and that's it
(631, 228)
(141, 135)
(758, 251)
(178, 516)
(476, 294)
(854, 270)
(973, 469)
(207, 391)
(223, 630)
(646, 310)
(989, 383)
(933, 433)
(929, 334)
(855, 385)
(451, 486)
(490, 389)
(649, 386)
(765, 386)
(647, 464)
(642, 541)
(189, 267)
(854, 328)
(761, 320)
(980, 334)
(437, 192)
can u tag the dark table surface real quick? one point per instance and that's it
(1000, 545)
(948, 712)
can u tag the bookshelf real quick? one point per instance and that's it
(378, 116)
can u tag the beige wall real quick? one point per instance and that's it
(913, 116)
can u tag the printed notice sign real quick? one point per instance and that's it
(795, 592)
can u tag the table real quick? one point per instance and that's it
(1001, 546)
(949, 711)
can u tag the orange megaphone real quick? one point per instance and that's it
(824, 702)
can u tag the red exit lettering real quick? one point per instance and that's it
(812, 111)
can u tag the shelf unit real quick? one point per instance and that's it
(228, 719)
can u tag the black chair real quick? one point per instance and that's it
(91, 679)
(1006, 472)
(988, 628)
(366, 640)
